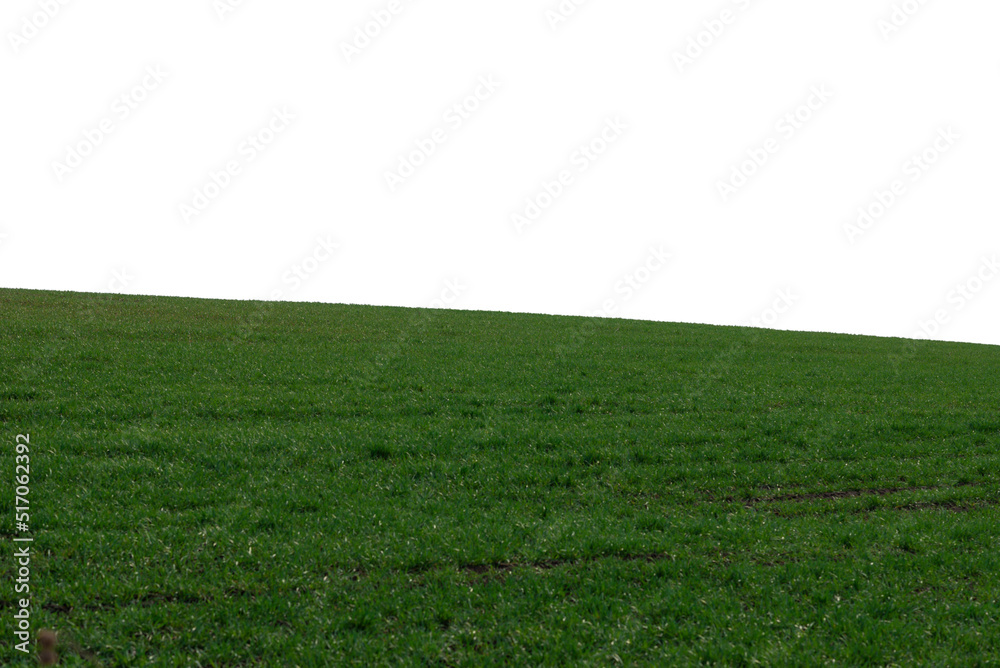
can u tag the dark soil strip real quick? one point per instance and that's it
(847, 493)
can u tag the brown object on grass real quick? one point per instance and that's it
(47, 648)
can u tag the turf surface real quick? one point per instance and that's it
(242, 483)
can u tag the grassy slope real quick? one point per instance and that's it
(236, 483)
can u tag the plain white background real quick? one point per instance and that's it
(119, 118)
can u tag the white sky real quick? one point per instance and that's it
(640, 230)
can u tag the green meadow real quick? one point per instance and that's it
(222, 483)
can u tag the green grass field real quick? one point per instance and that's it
(223, 483)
